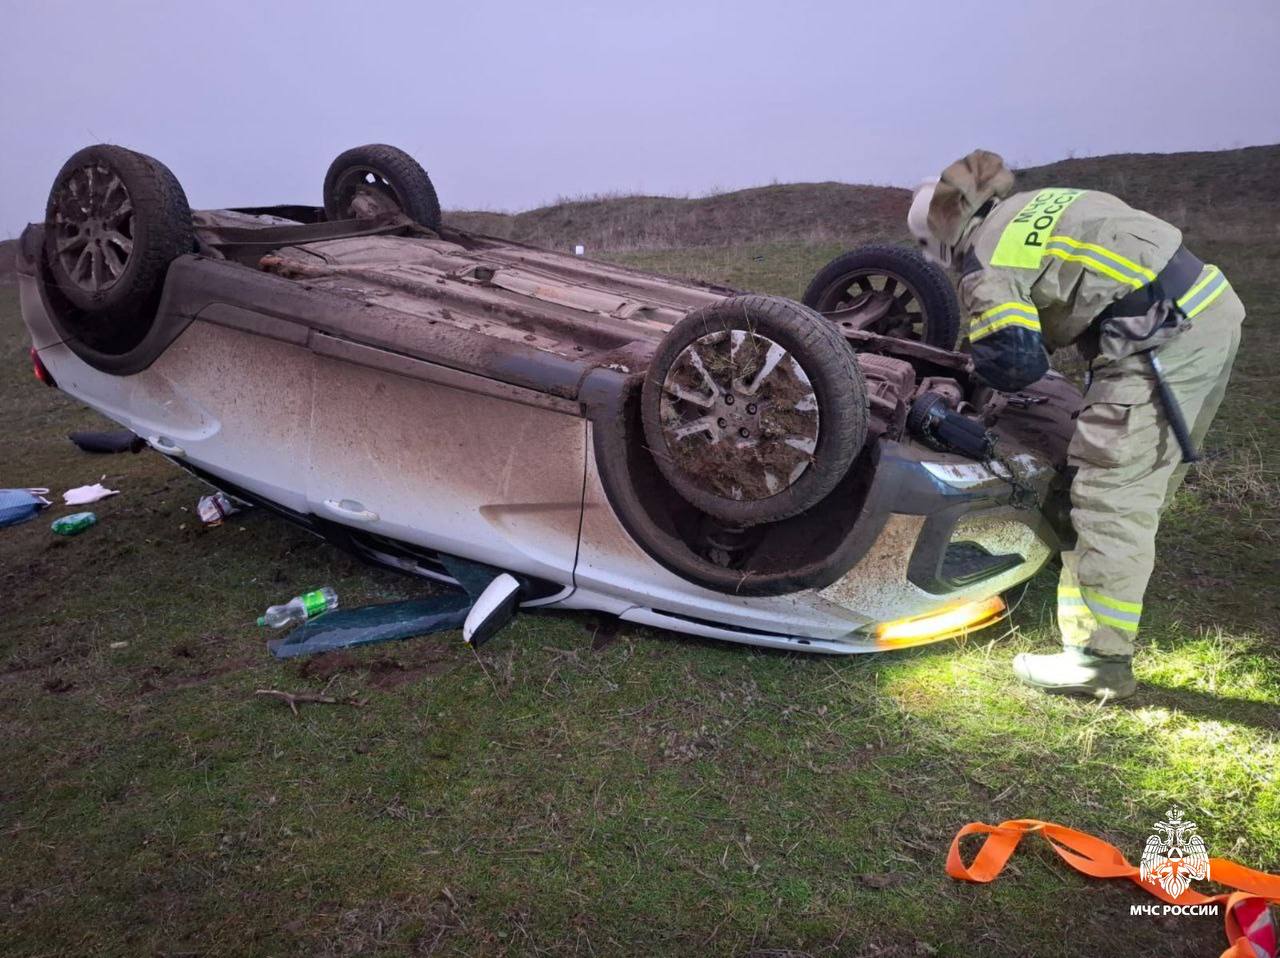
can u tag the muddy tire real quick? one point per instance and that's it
(362, 178)
(754, 409)
(114, 222)
(909, 296)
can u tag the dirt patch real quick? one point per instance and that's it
(166, 678)
(328, 665)
(384, 672)
(604, 632)
(423, 925)
(47, 649)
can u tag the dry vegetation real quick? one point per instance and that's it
(809, 213)
(1229, 195)
(1223, 196)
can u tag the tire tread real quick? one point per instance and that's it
(937, 295)
(837, 379)
(163, 231)
(411, 181)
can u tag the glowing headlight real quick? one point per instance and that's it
(936, 626)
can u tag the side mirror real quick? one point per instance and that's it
(495, 607)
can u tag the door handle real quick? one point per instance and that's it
(350, 509)
(166, 446)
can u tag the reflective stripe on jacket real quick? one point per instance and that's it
(1044, 264)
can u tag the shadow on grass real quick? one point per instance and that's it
(1206, 705)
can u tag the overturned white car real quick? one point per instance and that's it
(826, 477)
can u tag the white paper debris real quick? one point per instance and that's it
(81, 495)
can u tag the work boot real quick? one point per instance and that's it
(1076, 671)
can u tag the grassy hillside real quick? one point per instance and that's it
(1227, 194)
(578, 790)
(1231, 195)
(795, 212)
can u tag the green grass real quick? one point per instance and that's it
(782, 268)
(556, 795)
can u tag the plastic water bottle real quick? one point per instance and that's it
(73, 524)
(300, 608)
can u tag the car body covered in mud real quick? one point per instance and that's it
(414, 392)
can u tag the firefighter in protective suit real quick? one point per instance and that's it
(1038, 271)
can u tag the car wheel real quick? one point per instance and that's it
(371, 179)
(889, 290)
(754, 409)
(114, 222)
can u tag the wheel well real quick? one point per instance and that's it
(809, 550)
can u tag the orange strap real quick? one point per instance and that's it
(1098, 859)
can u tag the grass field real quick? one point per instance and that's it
(572, 791)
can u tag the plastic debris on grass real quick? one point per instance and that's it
(83, 495)
(213, 509)
(347, 628)
(19, 505)
(300, 608)
(73, 524)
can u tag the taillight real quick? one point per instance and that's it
(39, 369)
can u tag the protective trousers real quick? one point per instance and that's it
(1128, 468)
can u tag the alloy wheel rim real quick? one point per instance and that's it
(93, 226)
(879, 287)
(739, 415)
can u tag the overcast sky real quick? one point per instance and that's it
(511, 104)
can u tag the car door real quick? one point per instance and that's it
(231, 404)
(446, 460)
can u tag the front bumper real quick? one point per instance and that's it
(931, 503)
(953, 542)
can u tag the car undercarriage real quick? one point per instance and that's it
(669, 451)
